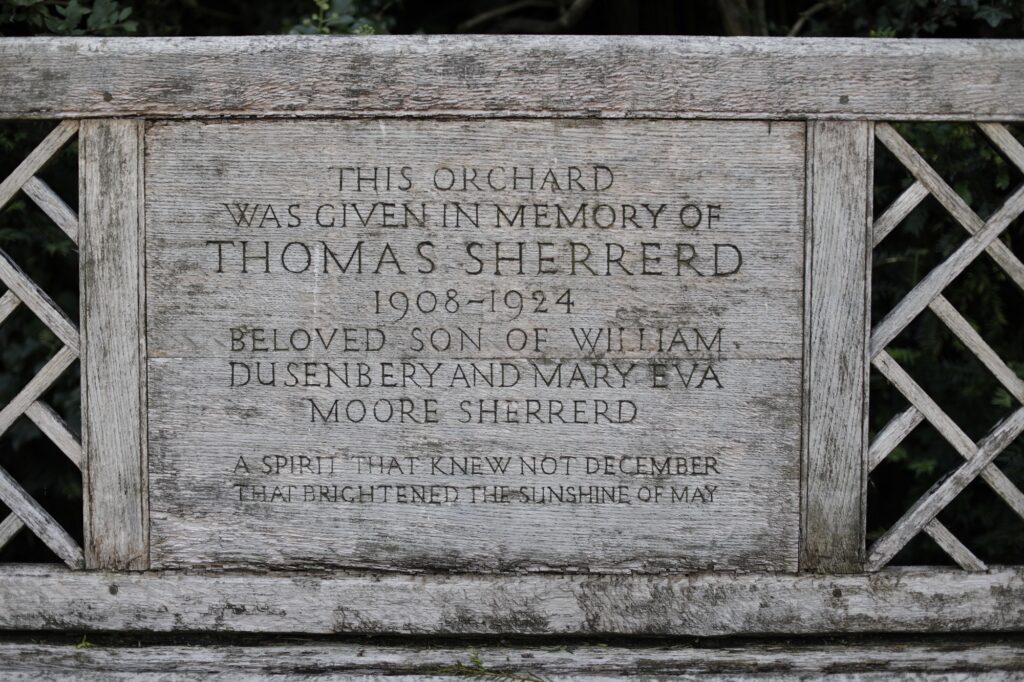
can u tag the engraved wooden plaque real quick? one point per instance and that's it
(476, 345)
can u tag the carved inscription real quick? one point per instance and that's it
(479, 345)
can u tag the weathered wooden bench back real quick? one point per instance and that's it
(830, 102)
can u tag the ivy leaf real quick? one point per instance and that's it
(992, 15)
(104, 15)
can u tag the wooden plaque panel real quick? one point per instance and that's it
(475, 345)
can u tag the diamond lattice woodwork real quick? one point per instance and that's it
(978, 457)
(25, 511)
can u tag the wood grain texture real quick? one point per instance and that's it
(920, 399)
(9, 527)
(949, 199)
(936, 499)
(513, 75)
(59, 212)
(1006, 142)
(39, 521)
(9, 302)
(949, 430)
(900, 209)
(116, 527)
(38, 157)
(201, 425)
(977, 345)
(839, 248)
(964, 557)
(36, 386)
(53, 425)
(39, 301)
(889, 438)
(907, 599)
(943, 274)
(895, 658)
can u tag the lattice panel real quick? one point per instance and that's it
(978, 456)
(26, 512)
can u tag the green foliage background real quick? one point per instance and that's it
(962, 155)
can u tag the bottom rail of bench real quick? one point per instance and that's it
(951, 658)
(925, 600)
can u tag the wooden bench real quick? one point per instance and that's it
(842, 92)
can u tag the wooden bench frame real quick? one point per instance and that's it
(105, 90)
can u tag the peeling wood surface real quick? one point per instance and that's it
(512, 76)
(992, 658)
(200, 302)
(893, 600)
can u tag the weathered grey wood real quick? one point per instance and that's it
(9, 302)
(1005, 142)
(39, 521)
(10, 527)
(140, 329)
(900, 209)
(114, 474)
(889, 438)
(479, 77)
(39, 301)
(51, 424)
(838, 261)
(977, 345)
(947, 657)
(36, 386)
(911, 599)
(949, 199)
(752, 172)
(939, 278)
(53, 206)
(930, 504)
(949, 430)
(920, 399)
(39, 156)
(513, 75)
(964, 558)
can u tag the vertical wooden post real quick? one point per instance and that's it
(113, 369)
(839, 177)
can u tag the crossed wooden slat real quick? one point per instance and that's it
(20, 289)
(928, 294)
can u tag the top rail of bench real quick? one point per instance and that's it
(507, 76)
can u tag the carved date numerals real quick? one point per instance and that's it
(513, 302)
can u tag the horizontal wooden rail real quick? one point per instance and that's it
(634, 76)
(893, 600)
(315, 659)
